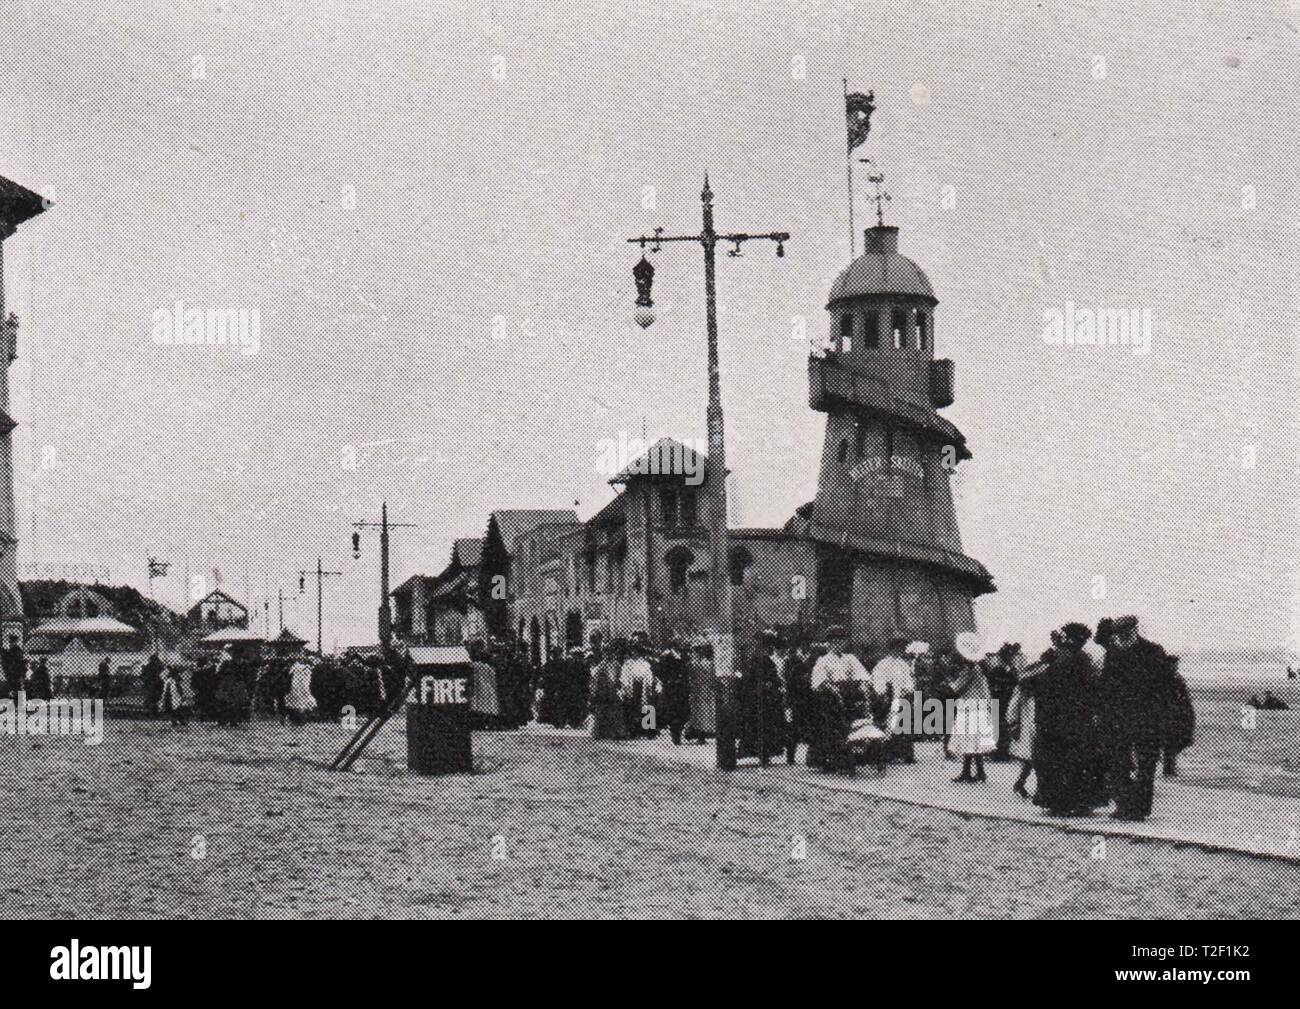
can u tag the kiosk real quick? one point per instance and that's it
(438, 718)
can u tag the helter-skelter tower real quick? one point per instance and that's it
(890, 558)
(17, 204)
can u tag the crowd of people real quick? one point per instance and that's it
(1090, 722)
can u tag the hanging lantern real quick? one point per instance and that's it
(644, 274)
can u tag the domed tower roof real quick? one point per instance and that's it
(881, 270)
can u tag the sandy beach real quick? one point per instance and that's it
(244, 823)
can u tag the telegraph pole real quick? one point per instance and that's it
(321, 574)
(719, 540)
(383, 525)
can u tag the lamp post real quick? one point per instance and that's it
(724, 649)
(321, 574)
(385, 613)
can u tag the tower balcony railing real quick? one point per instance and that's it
(834, 385)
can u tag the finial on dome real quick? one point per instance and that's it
(878, 179)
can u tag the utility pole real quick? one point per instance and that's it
(321, 574)
(383, 525)
(724, 645)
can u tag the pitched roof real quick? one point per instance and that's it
(467, 551)
(17, 203)
(513, 523)
(84, 625)
(217, 596)
(665, 458)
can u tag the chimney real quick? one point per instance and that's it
(882, 238)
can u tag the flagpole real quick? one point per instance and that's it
(853, 235)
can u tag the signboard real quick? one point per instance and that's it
(439, 739)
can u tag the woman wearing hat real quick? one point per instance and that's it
(975, 732)
(702, 698)
(1065, 753)
(1020, 721)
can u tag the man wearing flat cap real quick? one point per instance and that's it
(1139, 715)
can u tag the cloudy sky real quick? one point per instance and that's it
(427, 203)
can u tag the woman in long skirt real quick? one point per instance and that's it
(1066, 749)
(1020, 722)
(975, 732)
(703, 722)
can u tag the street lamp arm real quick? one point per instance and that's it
(773, 236)
(645, 240)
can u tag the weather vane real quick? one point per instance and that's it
(877, 178)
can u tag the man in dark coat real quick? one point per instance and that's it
(14, 661)
(551, 708)
(798, 698)
(575, 688)
(762, 725)
(1138, 696)
(39, 687)
(105, 679)
(1065, 738)
(673, 676)
(1182, 724)
(1002, 677)
(151, 675)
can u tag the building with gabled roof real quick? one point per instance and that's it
(18, 204)
(218, 610)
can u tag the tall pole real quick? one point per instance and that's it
(853, 235)
(321, 574)
(719, 536)
(320, 607)
(385, 613)
(724, 645)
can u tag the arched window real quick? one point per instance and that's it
(922, 330)
(898, 324)
(679, 560)
(871, 330)
(846, 332)
(741, 559)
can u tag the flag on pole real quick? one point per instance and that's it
(157, 568)
(857, 111)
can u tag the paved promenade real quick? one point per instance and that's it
(1215, 819)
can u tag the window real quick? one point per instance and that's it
(690, 509)
(679, 561)
(922, 330)
(741, 559)
(620, 569)
(846, 333)
(862, 439)
(871, 330)
(899, 325)
(668, 505)
(844, 450)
